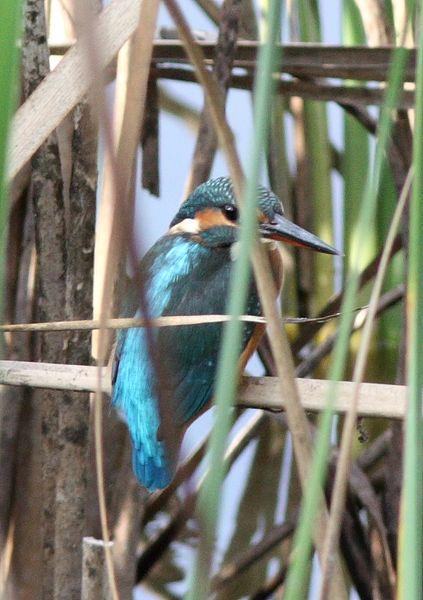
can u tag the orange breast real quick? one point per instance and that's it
(275, 259)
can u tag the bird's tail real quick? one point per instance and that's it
(152, 471)
(134, 395)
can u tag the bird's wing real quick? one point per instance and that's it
(192, 354)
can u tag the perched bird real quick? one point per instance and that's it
(187, 272)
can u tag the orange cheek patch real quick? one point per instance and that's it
(262, 217)
(212, 217)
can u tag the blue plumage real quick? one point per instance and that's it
(169, 261)
(174, 271)
(186, 272)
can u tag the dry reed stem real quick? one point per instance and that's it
(344, 459)
(173, 321)
(375, 20)
(374, 400)
(65, 86)
(300, 60)
(94, 577)
(131, 84)
(69, 81)
(131, 88)
(90, 45)
(119, 164)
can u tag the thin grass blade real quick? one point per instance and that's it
(227, 375)
(320, 160)
(411, 523)
(10, 26)
(302, 542)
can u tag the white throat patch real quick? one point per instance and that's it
(185, 226)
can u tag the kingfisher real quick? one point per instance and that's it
(187, 272)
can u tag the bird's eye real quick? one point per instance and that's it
(231, 212)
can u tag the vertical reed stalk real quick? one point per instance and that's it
(10, 25)
(411, 521)
(226, 381)
(320, 162)
(356, 148)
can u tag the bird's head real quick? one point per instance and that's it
(210, 216)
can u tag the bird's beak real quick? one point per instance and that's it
(283, 230)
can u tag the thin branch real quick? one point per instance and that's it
(126, 323)
(271, 586)
(246, 558)
(351, 98)
(376, 451)
(362, 489)
(335, 302)
(388, 299)
(299, 60)
(174, 321)
(211, 9)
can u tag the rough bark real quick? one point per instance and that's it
(74, 411)
(51, 265)
(47, 196)
(94, 575)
